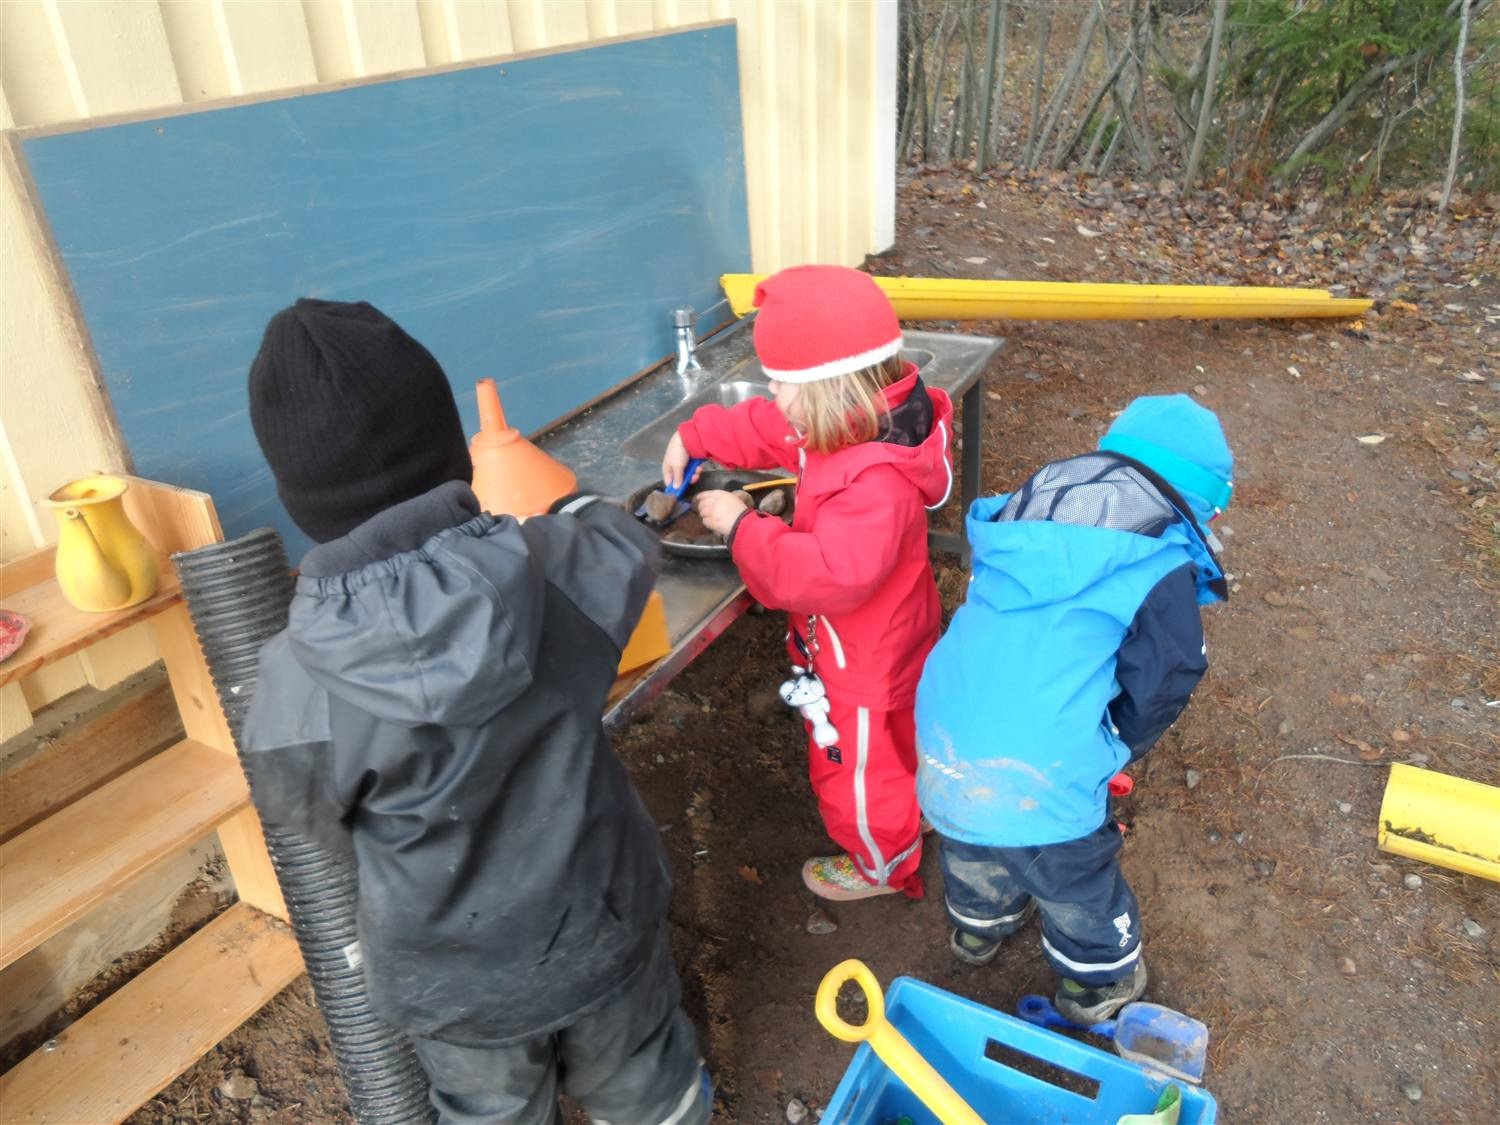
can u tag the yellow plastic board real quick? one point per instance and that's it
(1441, 819)
(937, 298)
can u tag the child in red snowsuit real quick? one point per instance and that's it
(870, 446)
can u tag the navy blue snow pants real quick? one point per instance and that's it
(1091, 927)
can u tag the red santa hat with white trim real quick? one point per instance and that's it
(819, 322)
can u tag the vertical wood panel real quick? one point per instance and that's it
(117, 57)
(857, 95)
(267, 43)
(31, 58)
(528, 24)
(630, 17)
(880, 133)
(384, 36)
(204, 69)
(328, 38)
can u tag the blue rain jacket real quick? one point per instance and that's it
(1075, 648)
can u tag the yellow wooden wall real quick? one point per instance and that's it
(817, 86)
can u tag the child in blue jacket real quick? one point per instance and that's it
(1078, 644)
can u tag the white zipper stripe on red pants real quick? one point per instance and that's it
(861, 811)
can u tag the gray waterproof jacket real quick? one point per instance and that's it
(436, 702)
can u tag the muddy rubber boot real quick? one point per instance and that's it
(1088, 1004)
(974, 950)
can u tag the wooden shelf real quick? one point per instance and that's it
(56, 871)
(129, 1048)
(58, 629)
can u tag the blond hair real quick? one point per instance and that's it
(847, 409)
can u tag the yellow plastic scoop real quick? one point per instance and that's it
(888, 1043)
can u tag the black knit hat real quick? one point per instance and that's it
(352, 414)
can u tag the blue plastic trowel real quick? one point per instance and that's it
(1154, 1036)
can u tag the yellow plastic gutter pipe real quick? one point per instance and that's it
(1441, 819)
(939, 298)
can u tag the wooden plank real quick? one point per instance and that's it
(86, 755)
(551, 196)
(59, 630)
(135, 1043)
(56, 871)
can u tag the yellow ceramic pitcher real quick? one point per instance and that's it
(103, 562)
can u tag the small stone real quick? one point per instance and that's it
(1412, 1091)
(1413, 882)
(1418, 758)
(1473, 928)
(659, 506)
(1240, 838)
(1285, 728)
(1459, 704)
(239, 1087)
(1265, 868)
(796, 1112)
(1460, 475)
(1213, 836)
(821, 922)
(1200, 390)
(1193, 778)
(1375, 574)
(774, 502)
(743, 497)
(1033, 376)
(1345, 807)
(1347, 967)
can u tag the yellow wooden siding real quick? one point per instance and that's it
(817, 111)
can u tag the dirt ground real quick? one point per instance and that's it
(1339, 983)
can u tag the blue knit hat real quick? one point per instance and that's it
(1181, 442)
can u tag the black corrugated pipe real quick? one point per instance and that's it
(237, 595)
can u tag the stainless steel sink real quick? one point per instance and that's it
(651, 441)
(744, 382)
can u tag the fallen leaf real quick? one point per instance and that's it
(1470, 377)
(1371, 439)
(750, 875)
(1366, 751)
(1083, 230)
(1400, 736)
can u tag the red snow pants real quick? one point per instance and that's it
(866, 785)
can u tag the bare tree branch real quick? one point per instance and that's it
(1206, 106)
(1458, 104)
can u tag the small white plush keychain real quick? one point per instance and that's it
(806, 693)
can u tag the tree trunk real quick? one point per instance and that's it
(1064, 150)
(994, 56)
(1206, 108)
(943, 39)
(1044, 36)
(1064, 91)
(1458, 104)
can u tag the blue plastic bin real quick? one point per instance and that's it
(954, 1034)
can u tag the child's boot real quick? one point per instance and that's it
(834, 877)
(1088, 1004)
(972, 949)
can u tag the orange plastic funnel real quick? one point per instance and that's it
(512, 477)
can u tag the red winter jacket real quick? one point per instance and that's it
(853, 568)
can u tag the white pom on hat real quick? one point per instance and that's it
(820, 322)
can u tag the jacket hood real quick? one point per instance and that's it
(924, 458)
(1183, 443)
(1040, 562)
(416, 619)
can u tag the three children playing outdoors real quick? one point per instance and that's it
(436, 701)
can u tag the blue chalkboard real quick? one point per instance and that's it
(535, 220)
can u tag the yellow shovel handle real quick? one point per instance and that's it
(888, 1043)
(777, 483)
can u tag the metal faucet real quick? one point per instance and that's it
(683, 320)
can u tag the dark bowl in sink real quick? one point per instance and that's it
(686, 536)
